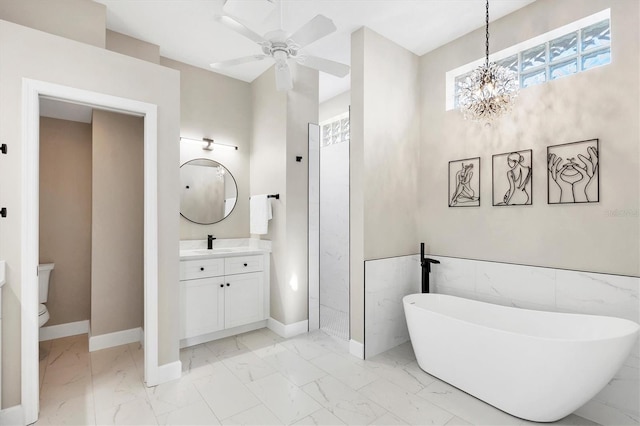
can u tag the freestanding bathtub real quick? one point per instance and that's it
(535, 365)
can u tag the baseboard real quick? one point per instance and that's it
(117, 338)
(356, 349)
(12, 416)
(64, 330)
(287, 330)
(203, 338)
(168, 372)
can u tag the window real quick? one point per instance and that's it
(335, 130)
(576, 47)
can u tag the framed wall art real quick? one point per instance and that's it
(464, 182)
(512, 178)
(573, 172)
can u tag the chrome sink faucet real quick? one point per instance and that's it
(210, 239)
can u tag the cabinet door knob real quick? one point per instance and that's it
(228, 284)
(221, 285)
(245, 264)
(202, 269)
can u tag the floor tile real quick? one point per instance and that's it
(405, 405)
(225, 393)
(197, 362)
(307, 349)
(287, 401)
(135, 412)
(107, 361)
(68, 409)
(116, 387)
(344, 369)
(172, 396)
(224, 348)
(466, 406)
(69, 351)
(327, 342)
(387, 420)
(321, 417)
(248, 367)
(457, 421)
(198, 413)
(258, 416)
(408, 376)
(296, 369)
(342, 401)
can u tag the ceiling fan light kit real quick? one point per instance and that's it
(281, 48)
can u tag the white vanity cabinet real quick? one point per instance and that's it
(222, 296)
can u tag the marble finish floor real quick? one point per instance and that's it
(334, 322)
(256, 378)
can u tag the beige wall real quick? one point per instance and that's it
(600, 103)
(335, 106)
(385, 156)
(65, 217)
(80, 20)
(81, 65)
(117, 237)
(217, 107)
(279, 134)
(133, 47)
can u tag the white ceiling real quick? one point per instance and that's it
(186, 32)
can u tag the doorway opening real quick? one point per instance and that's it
(329, 226)
(33, 92)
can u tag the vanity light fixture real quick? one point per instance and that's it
(490, 90)
(208, 143)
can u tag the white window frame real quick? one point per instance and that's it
(331, 120)
(517, 48)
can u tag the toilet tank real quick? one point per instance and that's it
(44, 273)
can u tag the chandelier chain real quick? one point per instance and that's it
(487, 36)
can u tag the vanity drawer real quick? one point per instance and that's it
(242, 264)
(201, 268)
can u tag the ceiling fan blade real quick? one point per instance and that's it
(324, 65)
(236, 26)
(238, 61)
(284, 81)
(313, 30)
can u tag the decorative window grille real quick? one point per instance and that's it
(335, 130)
(577, 47)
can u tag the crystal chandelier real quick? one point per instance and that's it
(490, 90)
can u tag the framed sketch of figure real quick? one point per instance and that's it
(464, 182)
(573, 172)
(512, 178)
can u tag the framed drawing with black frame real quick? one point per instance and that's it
(512, 178)
(464, 182)
(573, 172)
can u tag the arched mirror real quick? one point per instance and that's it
(209, 191)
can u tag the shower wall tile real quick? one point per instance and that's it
(387, 282)
(599, 294)
(516, 282)
(334, 236)
(455, 273)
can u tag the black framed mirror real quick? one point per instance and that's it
(209, 191)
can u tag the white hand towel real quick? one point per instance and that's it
(259, 214)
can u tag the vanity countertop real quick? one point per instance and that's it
(188, 254)
(197, 249)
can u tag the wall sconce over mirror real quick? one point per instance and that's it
(209, 144)
(209, 191)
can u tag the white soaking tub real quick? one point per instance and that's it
(535, 365)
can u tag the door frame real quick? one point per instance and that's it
(32, 91)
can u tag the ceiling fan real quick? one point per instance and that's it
(282, 47)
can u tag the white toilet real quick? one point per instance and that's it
(44, 273)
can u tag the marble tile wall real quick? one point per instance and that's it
(314, 226)
(388, 280)
(334, 239)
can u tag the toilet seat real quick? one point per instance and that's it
(43, 314)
